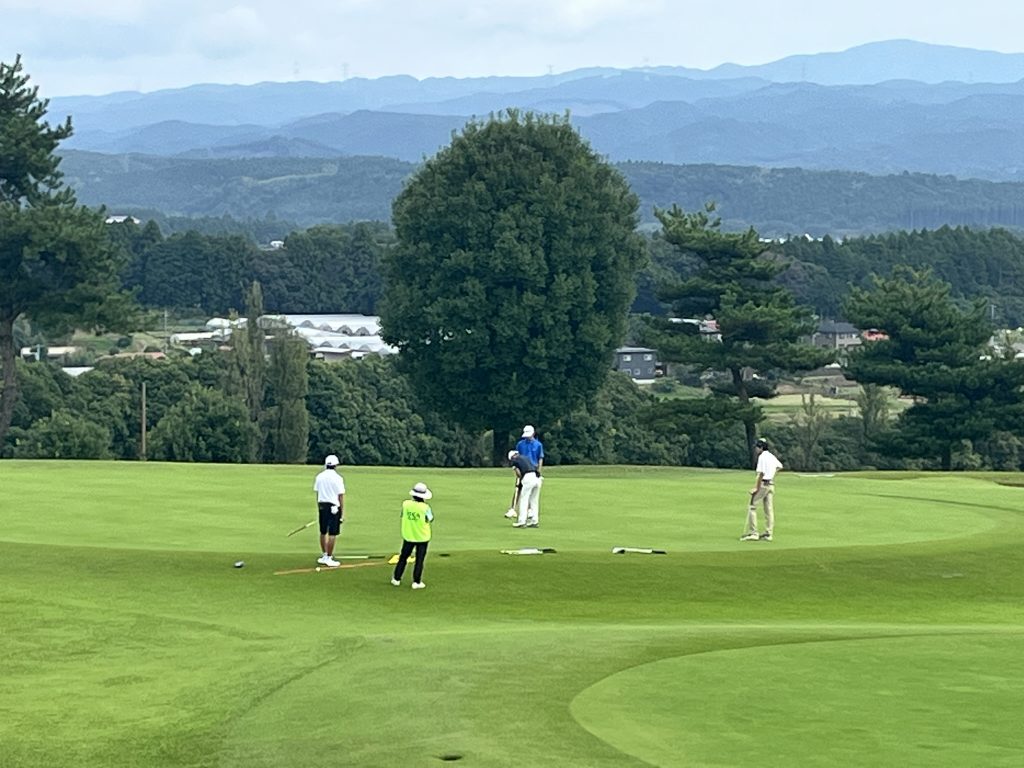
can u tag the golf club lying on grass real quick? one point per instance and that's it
(302, 527)
(529, 551)
(638, 550)
(412, 558)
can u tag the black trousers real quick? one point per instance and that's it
(417, 567)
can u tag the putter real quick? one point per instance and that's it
(302, 527)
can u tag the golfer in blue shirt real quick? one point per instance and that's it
(531, 447)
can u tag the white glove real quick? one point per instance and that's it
(334, 509)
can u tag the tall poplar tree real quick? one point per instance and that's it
(286, 419)
(58, 267)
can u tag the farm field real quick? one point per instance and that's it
(883, 626)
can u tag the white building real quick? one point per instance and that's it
(330, 337)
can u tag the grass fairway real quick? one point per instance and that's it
(884, 626)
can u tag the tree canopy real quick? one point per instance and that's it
(509, 287)
(937, 352)
(58, 266)
(760, 328)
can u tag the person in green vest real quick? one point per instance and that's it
(416, 519)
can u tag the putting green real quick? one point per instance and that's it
(884, 620)
(217, 508)
(910, 701)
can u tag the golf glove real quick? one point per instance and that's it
(334, 509)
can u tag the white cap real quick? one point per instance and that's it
(511, 454)
(331, 461)
(421, 490)
(527, 431)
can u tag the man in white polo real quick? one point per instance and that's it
(763, 491)
(330, 502)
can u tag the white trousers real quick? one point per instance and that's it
(529, 499)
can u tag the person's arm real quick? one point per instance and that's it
(756, 488)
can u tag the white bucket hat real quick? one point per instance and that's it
(421, 490)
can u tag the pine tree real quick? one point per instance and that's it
(58, 266)
(761, 329)
(938, 353)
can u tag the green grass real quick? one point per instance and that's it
(882, 627)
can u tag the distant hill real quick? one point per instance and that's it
(776, 202)
(888, 60)
(879, 108)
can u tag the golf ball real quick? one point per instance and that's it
(240, 564)
(318, 569)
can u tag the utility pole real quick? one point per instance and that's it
(142, 455)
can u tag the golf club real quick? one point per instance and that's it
(638, 550)
(515, 502)
(302, 527)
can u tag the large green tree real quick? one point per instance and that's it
(937, 352)
(58, 267)
(761, 328)
(515, 268)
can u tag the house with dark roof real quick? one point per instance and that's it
(835, 335)
(640, 363)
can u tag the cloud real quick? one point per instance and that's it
(95, 46)
(233, 32)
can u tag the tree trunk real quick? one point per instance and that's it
(9, 393)
(750, 427)
(502, 445)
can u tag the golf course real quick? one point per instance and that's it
(883, 626)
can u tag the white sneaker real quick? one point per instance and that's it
(750, 537)
(518, 525)
(510, 514)
(330, 562)
(323, 559)
(418, 585)
(396, 583)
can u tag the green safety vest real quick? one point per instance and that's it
(416, 517)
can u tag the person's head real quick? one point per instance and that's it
(529, 432)
(420, 492)
(760, 445)
(512, 454)
(331, 462)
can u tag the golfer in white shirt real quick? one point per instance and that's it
(330, 502)
(763, 491)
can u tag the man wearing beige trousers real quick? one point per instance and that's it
(763, 491)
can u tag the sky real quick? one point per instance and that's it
(73, 47)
